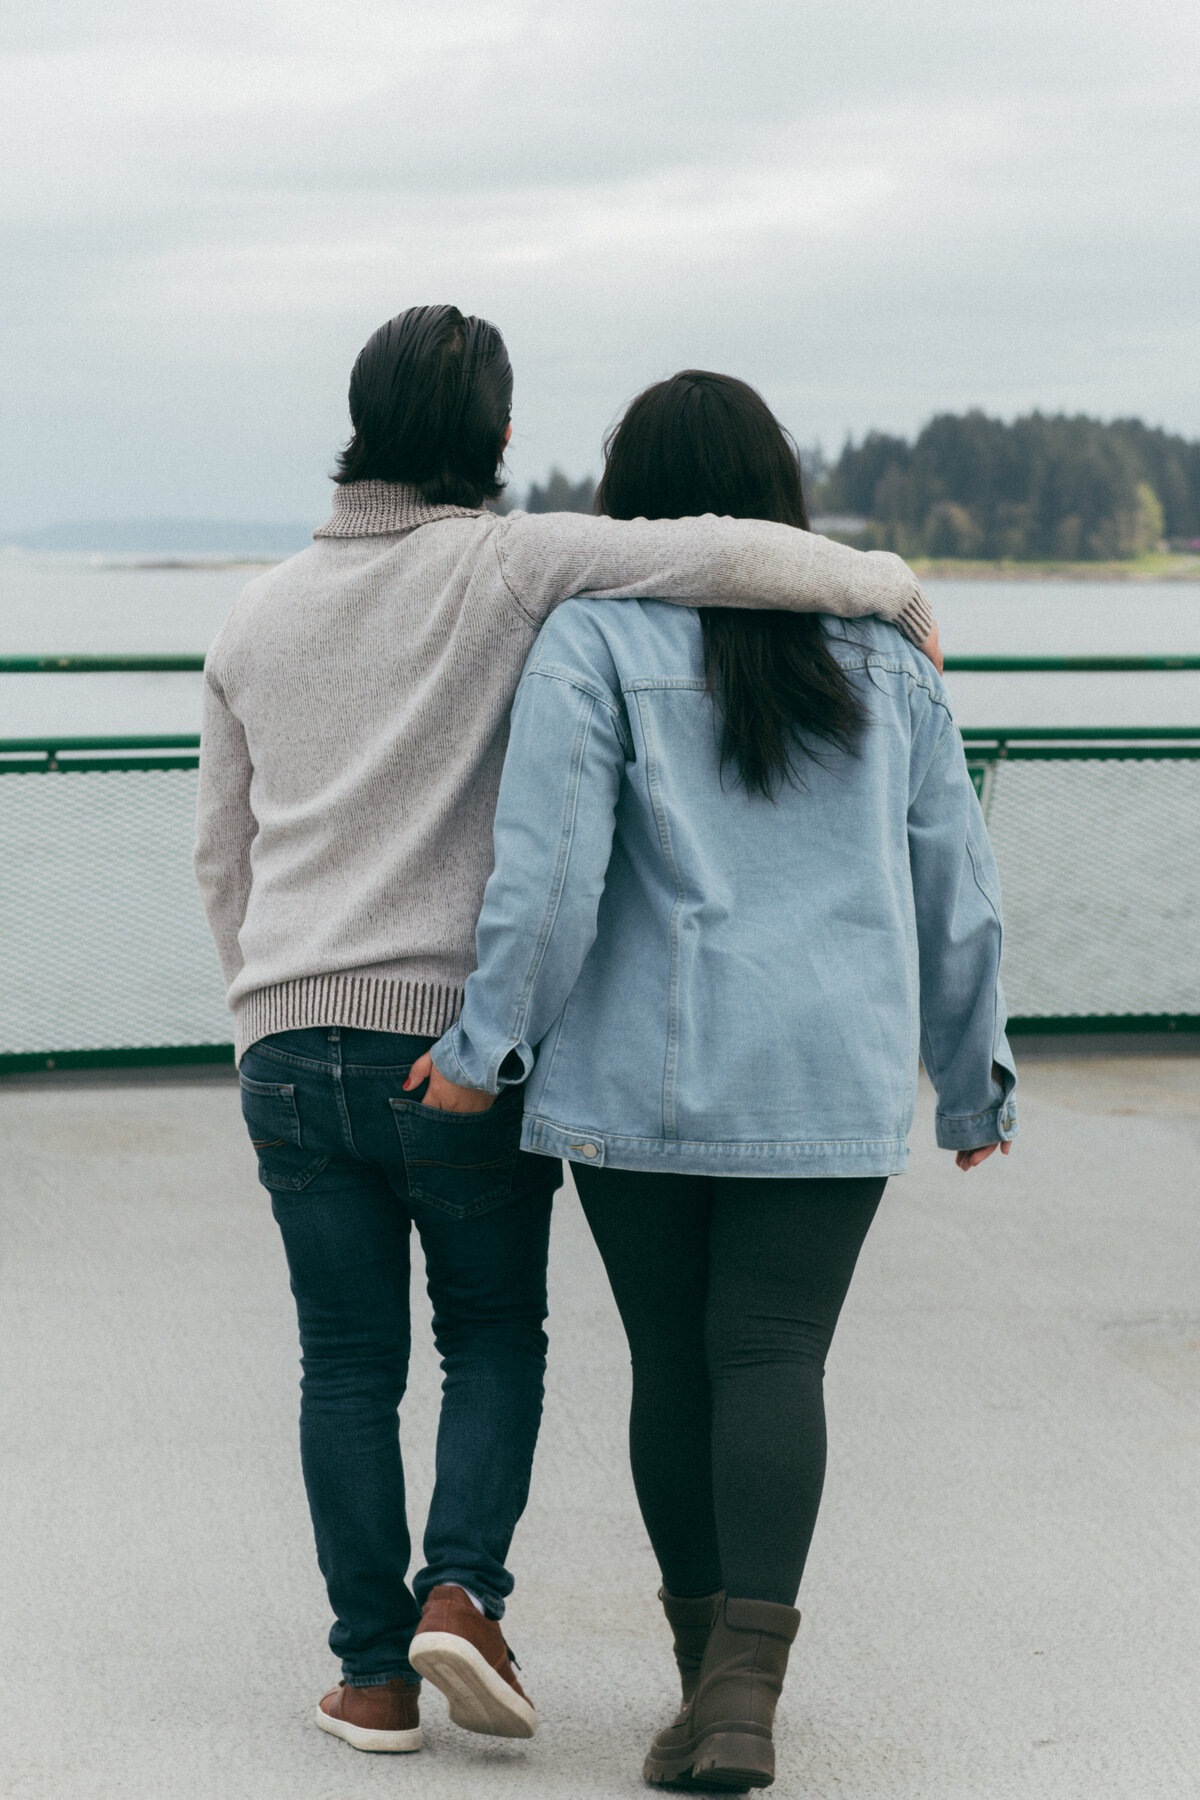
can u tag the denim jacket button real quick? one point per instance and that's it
(589, 1149)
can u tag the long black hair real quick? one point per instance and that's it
(704, 443)
(430, 400)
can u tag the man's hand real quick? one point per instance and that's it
(443, 1094)
(968, 1159)
(932, 648)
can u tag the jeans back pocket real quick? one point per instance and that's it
(273, 1121)
(462, 1163)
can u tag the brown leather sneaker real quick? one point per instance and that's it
(465, 1655)
(374, 1718)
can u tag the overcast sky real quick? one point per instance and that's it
(872, 211)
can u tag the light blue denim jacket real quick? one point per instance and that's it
(697, 980)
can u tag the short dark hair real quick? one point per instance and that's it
(430, 398)
(706, 443)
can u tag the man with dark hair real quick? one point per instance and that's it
(356, 709)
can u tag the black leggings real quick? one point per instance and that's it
(729, 1290)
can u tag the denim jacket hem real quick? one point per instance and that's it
(684, 1156)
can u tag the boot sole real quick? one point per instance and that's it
(721, 1762)
(480, 1700)
(394, 1743)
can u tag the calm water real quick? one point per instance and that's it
(64, 606)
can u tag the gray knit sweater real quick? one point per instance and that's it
(355, 716)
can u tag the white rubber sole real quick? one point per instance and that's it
(394, 1743)
(480, 1700)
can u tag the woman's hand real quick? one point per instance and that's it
(966, 1159)
(442, 1093)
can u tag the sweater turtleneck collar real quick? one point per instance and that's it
(374, 508)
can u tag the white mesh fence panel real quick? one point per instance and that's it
(1100, 871)
(104, 945)
(102, 935)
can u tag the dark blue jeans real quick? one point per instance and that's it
(352, 1162)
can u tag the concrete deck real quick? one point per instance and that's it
(1004, 1594)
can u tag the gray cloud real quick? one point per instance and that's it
(871, 212)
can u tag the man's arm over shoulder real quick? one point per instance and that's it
(548, 557)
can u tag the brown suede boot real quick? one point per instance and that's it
(723, 1739)
(385, 1717)
(465, 1655)
(691, 1622)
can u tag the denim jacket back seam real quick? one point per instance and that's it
(596, 690)
(671, 1056)
(870, 659)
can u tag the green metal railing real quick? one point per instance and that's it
(188, 664)
(1097, 833)
(48, 754)
(1069, 665)
(184, 664)
(985, 747)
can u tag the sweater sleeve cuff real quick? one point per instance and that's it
(915, 618)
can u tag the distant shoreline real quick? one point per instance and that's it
(1157, 568)
(1140, 568)
(106, 562)
(212, 562)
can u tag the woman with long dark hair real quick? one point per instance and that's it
(741, 873)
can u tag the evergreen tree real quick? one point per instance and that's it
(1042, 487)
(560, 494)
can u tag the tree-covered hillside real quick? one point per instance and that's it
(1042, 487)
(560, 494)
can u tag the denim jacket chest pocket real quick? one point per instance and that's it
(462, 1163)
(273, 1118)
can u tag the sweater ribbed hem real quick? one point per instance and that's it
(915, 619)
(368, 1002)
(374, 508)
